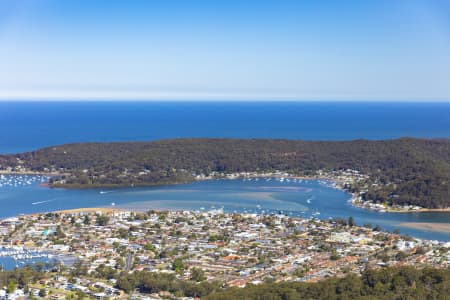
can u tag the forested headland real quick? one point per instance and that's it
(405, 171)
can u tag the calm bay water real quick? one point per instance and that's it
(27, 126)
(308, 198)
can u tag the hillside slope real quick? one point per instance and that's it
(417, 171)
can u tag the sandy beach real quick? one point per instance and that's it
(441, 227)
(420, 210)
(88, 209)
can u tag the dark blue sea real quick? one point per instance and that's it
(27, 126)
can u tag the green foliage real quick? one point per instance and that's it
(396, 283)
(150, 247)
(147, 282)
(406, 171)
(384, 284)
(42, 293)
(79, 269)
(102, 220)
(197, 275)
(19, 277)
(11, 286)
(351, 221)
(105, 272)
(178, 265)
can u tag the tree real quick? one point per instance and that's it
(351, 221)
(59, 233)
(400, 256)
(102, 220)
(420, 250)
(127, 283)
(11, 286)
(80, 295)
(149, 247)
(42, 293)
(197, 274)
(178, 265)
(105, 272)
(78, 269)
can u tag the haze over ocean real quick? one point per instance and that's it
(27, 126)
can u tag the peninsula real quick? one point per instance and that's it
(405, 172)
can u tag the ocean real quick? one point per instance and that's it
(27, 126)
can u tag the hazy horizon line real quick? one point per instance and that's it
(210, 97)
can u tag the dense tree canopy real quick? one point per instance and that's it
(386, 284)
(416, 171)
(394, 283)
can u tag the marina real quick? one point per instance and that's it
(16, 257)
(291, 196)
(220, 150)
(7, 180)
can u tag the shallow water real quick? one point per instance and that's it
(308, 198)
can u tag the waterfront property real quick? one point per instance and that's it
(292, 196)
(210, 247)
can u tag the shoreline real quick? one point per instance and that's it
(389, 209)
(423, 210)
(429, 226)
(87, 209)
(5, 172)
(75, 211)
(336, 184)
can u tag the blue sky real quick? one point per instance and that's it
(169, 49)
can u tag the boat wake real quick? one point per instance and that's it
(41, 202)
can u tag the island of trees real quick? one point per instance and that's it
(404, 171)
